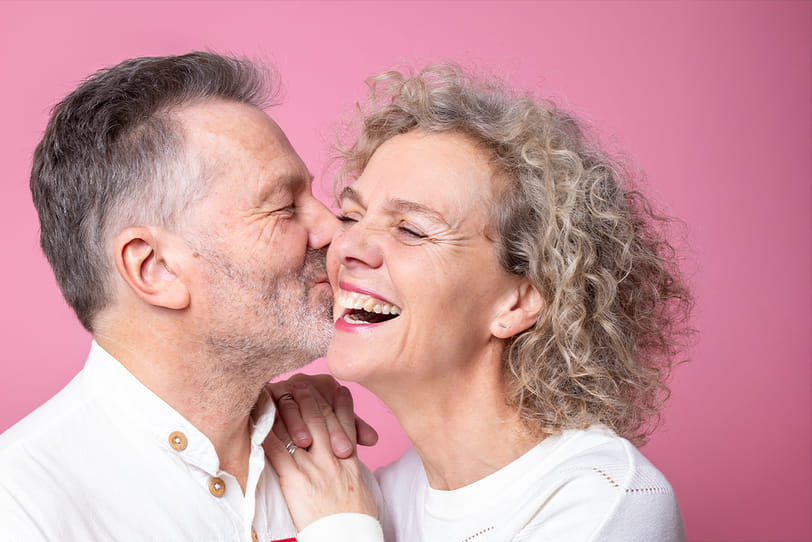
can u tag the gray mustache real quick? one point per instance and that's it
(315, 265)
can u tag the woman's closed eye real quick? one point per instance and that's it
(410, 231)
(403, 229)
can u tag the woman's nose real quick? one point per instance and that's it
(356, 245)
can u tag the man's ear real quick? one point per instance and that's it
(519, 312)
(146, 265)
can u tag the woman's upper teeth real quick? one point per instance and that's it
(358, 301)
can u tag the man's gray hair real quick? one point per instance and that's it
(113, 156)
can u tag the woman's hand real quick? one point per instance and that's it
(342, 443)
(314, 481)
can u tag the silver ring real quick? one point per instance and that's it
(285, 395)
(290, 447)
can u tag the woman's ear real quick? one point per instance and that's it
(520, 312)
(147, 266)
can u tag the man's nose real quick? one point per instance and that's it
(322, 225)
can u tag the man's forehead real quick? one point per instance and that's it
(237, 136)
(243, 124)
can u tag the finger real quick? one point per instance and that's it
(322, 421)
(367, 436)
(326, 386)
(280, 431)
(324, 383)
(281, 459)
(341, 427)
(343, 437)
(276, 389)
(291, 418)
(310, 412)
(345, 411)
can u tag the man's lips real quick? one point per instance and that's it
(322, 280)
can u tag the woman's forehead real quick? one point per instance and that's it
(442, 171)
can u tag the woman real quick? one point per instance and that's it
(504, 289)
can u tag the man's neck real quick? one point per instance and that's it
(198, 389)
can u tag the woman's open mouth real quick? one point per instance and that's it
(362, 308)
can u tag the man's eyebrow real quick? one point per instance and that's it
(296, 179)
(285, 182)
(396, 205)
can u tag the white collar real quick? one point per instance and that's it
(147, 416)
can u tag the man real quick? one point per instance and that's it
(181, 228)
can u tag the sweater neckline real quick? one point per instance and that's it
(480, 495)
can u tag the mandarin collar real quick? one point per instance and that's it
(145, 416)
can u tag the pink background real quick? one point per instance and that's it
(711, 99)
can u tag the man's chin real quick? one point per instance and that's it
(322, 291)
(321, 337)
(322, 305)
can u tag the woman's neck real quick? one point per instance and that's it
(462, 427)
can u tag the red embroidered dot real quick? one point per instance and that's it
(483, 531)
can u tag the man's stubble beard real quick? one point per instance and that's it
(265, 326)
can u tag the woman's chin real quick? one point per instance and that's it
(347, 365)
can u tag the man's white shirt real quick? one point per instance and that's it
(107, 459)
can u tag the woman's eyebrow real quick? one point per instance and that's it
(397, 205)
(348, 193)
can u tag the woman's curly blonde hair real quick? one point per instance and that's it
(569, 219)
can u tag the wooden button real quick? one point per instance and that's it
(217, 487)
(178, 441)
(254, 535)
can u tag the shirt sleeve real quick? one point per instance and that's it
(644, 516)
(342, 528)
